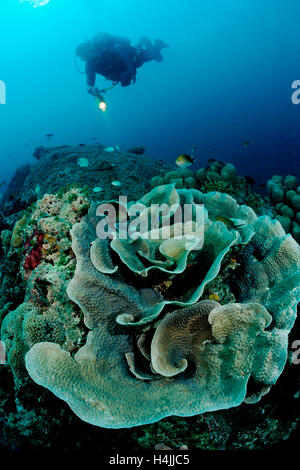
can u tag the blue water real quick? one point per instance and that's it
(226, 78)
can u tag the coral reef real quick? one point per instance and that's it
(16, 238)
(260, 269)
(216, 176)
(212, 367)
(217, 171)
(12, 201)
(285, 195)
(134, 171)
(42, 245)
(139, 150)
(34, 247)
(181, 178)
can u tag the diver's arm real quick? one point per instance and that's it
(90, 76)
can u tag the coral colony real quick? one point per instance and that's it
(177, 319)
(210, 350)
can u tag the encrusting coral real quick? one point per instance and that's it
(216, 176)
(285, 194)
(47, 265)
(136, 366)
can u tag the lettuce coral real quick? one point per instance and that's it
(144, 360)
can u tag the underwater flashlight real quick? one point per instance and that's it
(102, 106)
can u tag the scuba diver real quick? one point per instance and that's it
(116, 59)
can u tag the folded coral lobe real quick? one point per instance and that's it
(175, 353)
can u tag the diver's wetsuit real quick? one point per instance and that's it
(117, 60)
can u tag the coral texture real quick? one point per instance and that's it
(46, 265)
(216, 176)
(144, 368)
(285, 194)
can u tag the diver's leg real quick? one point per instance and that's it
(148, 55)
(159, 44)
(144, 43)
(148, 51)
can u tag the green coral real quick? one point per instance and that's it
(16, 238)
(45, 312)
(12, 335)
(284, 193)
(216, 176)
(217, 171)
(244, 339)
(181, 178)
(207, 239)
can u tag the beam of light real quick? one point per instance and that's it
(102, 106)
(36, 3)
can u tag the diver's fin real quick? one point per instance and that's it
(158, 57)
(161, 44)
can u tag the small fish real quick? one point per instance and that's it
(214, 297)
(109, 149)
(37, 189)
(2, 184)
(246, 144)
(116, 184)
(230, 223)
(233, 264)
(83, 162)
(49, 136)
(184, 160)
(98, 189)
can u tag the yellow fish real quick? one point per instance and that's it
(184, 160)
